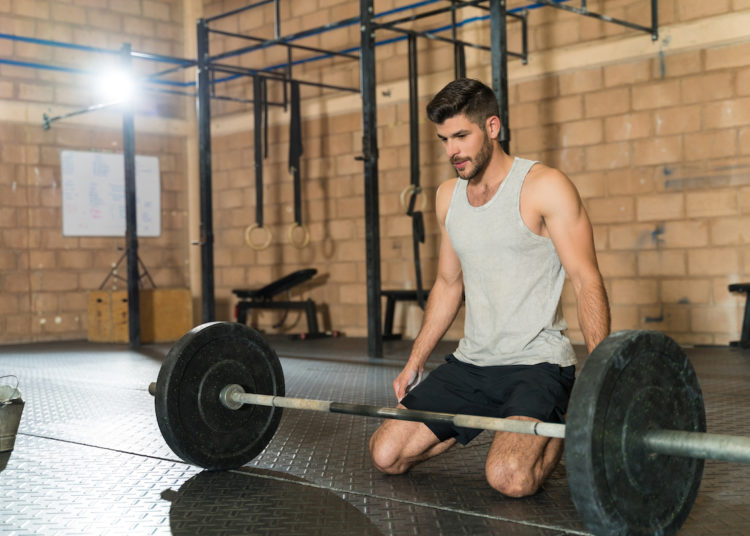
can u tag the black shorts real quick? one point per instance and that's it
(538, 391)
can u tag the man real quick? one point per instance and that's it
(510, 231)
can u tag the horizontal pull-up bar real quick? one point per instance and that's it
(653, 29)
(245, 71)
(86, 48)
(264, 43)
(285, 40)
(434, 12)
(430, 35)
(73, 70)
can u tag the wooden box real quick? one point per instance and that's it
(166, 315)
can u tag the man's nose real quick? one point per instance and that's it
(451, 148)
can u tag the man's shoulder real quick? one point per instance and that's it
(443, 197)
(543, 178)
(545, 185)
(542, 173)
(445, 189)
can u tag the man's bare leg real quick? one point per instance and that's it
(518, 464)
(397, 446)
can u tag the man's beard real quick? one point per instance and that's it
(479, 162)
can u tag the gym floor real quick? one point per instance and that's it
(89, 457)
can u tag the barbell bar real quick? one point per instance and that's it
(233, 395)
(670, 442)
(635, 439)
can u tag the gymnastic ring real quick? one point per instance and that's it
(411, 189)
(259, 245)
(305, 239)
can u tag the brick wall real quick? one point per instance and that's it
(45, 276)
(663, 175)
(658, 145)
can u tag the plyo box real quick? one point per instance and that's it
(166, 315)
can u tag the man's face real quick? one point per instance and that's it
(468, 146)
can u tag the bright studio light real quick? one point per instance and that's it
(116, 85)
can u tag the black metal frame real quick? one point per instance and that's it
(208, 308)
(207, 66)
(500, 52)
(499, 40)
(366, 20)
(370, 159)
(134, 277)
(393, 26)
(653, 30)
(131, 229)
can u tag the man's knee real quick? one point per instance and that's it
(385, 456)
(512, 479)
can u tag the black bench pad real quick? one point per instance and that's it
(287, 282)
(262, 298)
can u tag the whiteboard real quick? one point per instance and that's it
(93, 194)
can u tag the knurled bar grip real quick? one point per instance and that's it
(235, 395)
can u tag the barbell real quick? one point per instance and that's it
(635, 439)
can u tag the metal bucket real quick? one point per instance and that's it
(10, 418)
(11, 407)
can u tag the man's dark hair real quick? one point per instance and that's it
(464, 96)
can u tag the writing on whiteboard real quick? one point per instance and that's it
(93, 194)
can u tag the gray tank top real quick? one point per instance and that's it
(513, 279)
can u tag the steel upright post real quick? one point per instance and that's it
(370, 157)
(499, 47)
(204, 150)
(131, 227)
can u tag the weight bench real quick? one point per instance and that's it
(393, 296)
(744, 341)
(262, 298)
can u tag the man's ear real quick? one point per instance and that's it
(492, 126)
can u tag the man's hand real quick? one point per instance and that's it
(406, 381)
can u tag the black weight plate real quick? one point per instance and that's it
(192, 419)
(634, 381)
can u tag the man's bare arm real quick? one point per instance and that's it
(570, 229)
(443, 304)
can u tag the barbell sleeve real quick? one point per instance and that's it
(698, 445)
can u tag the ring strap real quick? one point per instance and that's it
(258, 109)
(295, 150)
